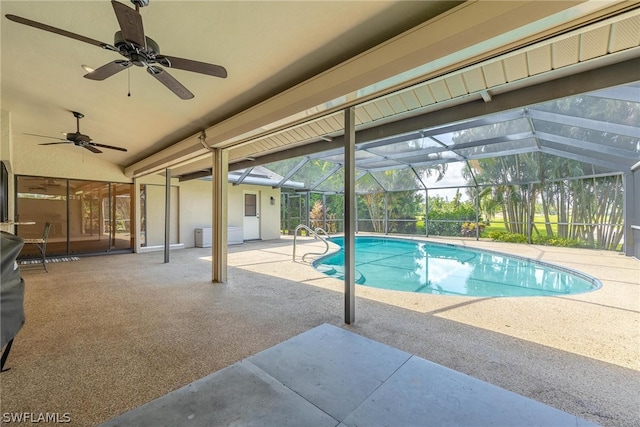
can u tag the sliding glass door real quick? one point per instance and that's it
(86, 217)
(41, 200)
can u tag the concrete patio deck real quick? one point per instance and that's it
(105, 335)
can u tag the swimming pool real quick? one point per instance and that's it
(435, 268)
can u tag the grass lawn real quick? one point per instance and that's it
(498, 225)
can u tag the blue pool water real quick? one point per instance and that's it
(435, 268)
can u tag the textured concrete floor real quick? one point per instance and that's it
(107, 334)
(330, 377)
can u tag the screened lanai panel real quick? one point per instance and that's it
(381, 163)
(403, 147)
(503, 170)
(609, 126)
(484, 132)
(555, 167)
(607, 142)
(361, 156)
(286, 166)
(588, 155)
(430, 158)
(629, 92)
(334, 183)
(397, 179)
(368, 184)
(599, 107)
(446, 175)
(312, 172)
(490, 150)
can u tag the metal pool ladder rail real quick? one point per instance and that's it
(314, 233)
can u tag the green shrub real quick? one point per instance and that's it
(561, 242)
(468, 229)
(503, 236)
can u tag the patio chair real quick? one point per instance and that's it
(41, 244)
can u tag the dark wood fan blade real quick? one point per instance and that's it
(110, 147)
(45, 136)
(108, 70)
(170, 82)
(91, 148)
(55, 30)
(194, 66)
(55, 143)
(130, 23)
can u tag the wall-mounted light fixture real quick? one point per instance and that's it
(272, 200)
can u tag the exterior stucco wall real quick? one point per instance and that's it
(269, 214)
(195, 209)
(191, 206)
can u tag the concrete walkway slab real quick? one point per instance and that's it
(328, 376)
(239, 395)
(422, 393)
(334, 369)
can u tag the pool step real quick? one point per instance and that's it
(337, 271)
(326, 269)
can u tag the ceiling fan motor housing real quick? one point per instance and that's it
(138, 55)
(78, 138)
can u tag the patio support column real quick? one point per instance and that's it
(307, 200)
(355, 210)
(349, 214)
(167, 214)
(137, 226)
(477, 214)
(631, 211)
(386, 213)
(527, 212)
(426, 212)
(324, 211)
(220, 214)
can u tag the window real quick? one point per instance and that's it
(250, 205)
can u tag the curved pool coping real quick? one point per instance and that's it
(595, 282)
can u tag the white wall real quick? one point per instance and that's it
(195, 209)
(269, 214)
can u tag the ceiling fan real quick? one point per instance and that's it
(137, 48)
(45, 182)
(78, 139)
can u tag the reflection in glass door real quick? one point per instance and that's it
(121, 227)
(40, 200)
(88, 232)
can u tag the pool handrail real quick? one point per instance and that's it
(315, 234)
